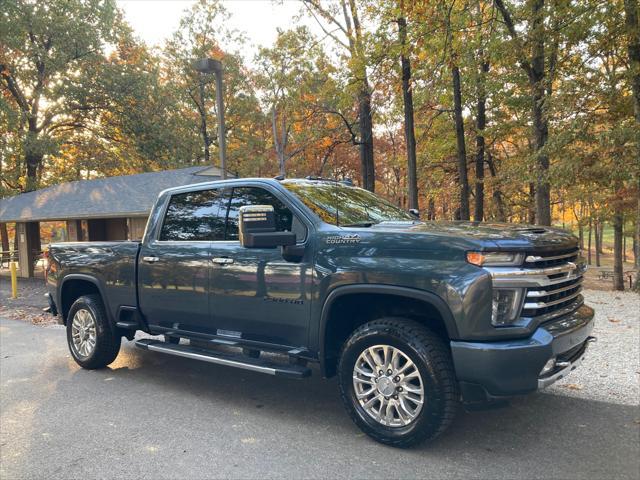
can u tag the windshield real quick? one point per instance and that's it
(342, 205)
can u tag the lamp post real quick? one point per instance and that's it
(209, 65)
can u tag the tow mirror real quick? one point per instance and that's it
(257, 225)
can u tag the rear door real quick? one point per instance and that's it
(255, 293)
(175, 266)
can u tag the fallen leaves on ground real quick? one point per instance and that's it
(573, 386)
(27, 314)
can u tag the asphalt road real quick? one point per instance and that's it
(155, 416)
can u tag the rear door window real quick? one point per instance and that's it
(195, 216)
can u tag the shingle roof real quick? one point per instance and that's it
(123, 196)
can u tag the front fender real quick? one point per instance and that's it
(403, 292)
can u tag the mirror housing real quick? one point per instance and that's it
(257, 227)
(414, 212)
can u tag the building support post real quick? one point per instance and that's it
(28, 247)
(74, 231)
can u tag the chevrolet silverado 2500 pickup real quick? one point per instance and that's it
(270, 275)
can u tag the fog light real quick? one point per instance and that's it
(548, 366)
(505, 307)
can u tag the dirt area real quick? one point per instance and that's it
(29, 304)
(593, 279)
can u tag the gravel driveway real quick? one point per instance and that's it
(611, 369)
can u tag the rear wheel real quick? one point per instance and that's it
(91, 341)
(397, 381)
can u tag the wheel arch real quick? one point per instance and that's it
(389, 298)
(75, 285)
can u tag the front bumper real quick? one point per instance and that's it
(493, 370)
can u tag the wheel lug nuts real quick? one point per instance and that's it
(395, 397)
(389, 372)
(399, 389)
(380, 373)
(397, 379)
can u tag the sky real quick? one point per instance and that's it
(155, 20)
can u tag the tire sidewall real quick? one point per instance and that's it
(431, 409)
(102, 329)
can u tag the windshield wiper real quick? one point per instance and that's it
(359, 224)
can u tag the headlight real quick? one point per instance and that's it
(495, 259)
(505, 307)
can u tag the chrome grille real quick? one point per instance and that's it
(551, 259)
(561, 290)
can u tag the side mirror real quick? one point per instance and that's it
(414, 212)
(257, 225)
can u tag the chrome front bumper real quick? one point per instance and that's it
(564, 367)
(514, 367)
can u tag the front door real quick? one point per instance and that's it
(255, 293)
(175, 268)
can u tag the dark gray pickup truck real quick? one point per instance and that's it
(270, 275)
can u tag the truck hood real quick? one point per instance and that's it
(501, 236)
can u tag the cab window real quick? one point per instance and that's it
(195, 216)
(241, 196)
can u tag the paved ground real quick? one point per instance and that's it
(155, 416)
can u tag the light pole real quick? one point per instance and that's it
(209, 65)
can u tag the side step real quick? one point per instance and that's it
(222, 358)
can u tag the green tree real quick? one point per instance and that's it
(50, 66)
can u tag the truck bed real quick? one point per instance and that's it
(112, 264)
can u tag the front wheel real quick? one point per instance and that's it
(91, 341)
(397, 381)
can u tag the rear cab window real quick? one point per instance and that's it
(195, 216)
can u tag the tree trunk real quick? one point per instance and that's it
(481, 121)
(500, 211)
(598, 233)
(537, 82)
(409, 131)
(278, 145)
(532, 204)
(431, 209)
(589, 241)
(632, 27)
(624, 244)
(33, 159)
(636, 249)
(618, 277)
(461, 148)
(580, 236)
(600, 236)
(366, 138)
(540, 123)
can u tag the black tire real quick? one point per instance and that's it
(107, 343)
(433, 361)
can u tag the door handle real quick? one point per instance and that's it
(150, 259)
(223, 261)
